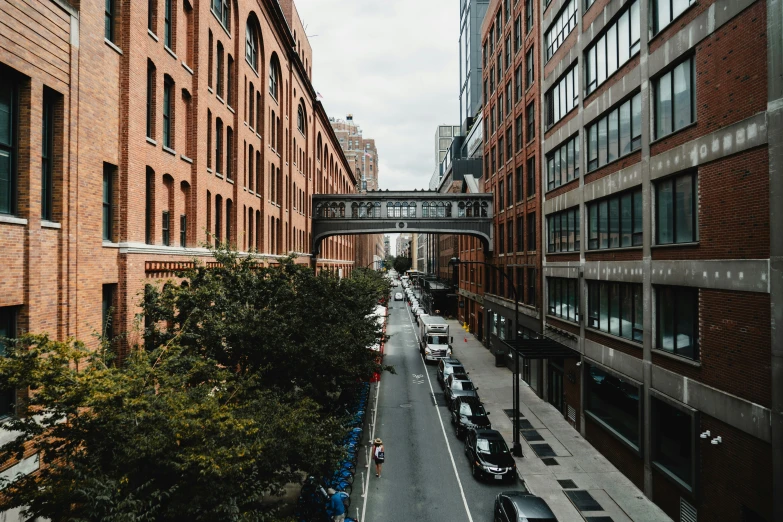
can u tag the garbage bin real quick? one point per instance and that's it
(500, 358)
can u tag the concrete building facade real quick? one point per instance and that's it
(135, 133)
(661, 178)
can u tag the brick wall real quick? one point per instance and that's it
(734, 345)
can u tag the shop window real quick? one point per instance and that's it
(673, 437)
(614, 403)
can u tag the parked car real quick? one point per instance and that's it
(468, 413)
(489, 456)
(459, 385)
(446, 367)
(512, 506)
(398, 296)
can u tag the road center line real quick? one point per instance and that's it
(442, 427)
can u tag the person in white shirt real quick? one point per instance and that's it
(378, 455)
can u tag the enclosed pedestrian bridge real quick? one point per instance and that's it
(380, 212)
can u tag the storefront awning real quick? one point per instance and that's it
(540, 348)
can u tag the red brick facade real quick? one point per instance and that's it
(212, 159)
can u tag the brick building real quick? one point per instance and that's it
(661, 270)
(362, 156)
(512, 152)
(134, 133)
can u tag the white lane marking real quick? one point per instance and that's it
(372, 437)
(443, 430)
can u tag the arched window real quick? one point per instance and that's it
(440, 209)
(251, 44)
(318, 144)
(484, 206)
(389, 209)
(477, 209)
(425, 209)
(274, 76)
(412, 209)
(333, 210)
(342, 210)
(355, 210)
(398, 209)
(377, 207)
(404, 209)
(301, 121)
(461, 209)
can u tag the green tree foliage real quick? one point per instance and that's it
(401, 264)
(226, 405)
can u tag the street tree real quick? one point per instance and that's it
(228, 401)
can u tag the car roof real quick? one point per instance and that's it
(473, 400)
(529, 506)
(488, 434)
(459, 376)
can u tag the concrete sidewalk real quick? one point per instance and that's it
(575, 458)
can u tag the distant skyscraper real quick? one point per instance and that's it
(470, 68)
(360, 152)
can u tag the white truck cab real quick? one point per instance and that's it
(434, 340)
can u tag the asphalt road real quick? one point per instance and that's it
(426, 476)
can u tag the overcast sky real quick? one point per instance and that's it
(394, 66)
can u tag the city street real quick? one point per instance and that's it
(426, 476)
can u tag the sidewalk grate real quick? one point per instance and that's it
(567, 484)
(599, 519)
(510, 414)
(532, 436)
(440, 399)
(549, 461)
(524, 424)
(543, 450)
(583, 500)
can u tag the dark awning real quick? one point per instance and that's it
(540, 348)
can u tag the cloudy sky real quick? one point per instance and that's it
(394, 66)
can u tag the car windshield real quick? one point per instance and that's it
(468, 409)
(436, 339)
(491, 446)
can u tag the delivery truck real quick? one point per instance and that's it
(434, 339)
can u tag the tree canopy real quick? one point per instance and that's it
(230, 399)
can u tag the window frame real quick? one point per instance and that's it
(591, 59)
(108, 203)
(560, 28)
(556, 103)
(109, 21)
(656, 83)
(677, 315)
(694, 206)
(563, 287)
(593, 133)
(637, 237)
(595, 301)
(11, 149)
(568, 146)
(636, 447)
(694, 418)
(168, 126)
(47, 155)
(560, 225)
(656, 29)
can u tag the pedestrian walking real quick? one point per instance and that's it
(336, 506)
(378, 455)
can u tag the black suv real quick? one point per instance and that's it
(459, 385)
(468, 413)
(489, 456)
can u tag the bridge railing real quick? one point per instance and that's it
(435, 209)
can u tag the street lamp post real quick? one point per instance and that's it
(517, 447)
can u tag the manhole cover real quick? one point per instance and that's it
(407, 405)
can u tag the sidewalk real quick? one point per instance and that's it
(576, 460)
